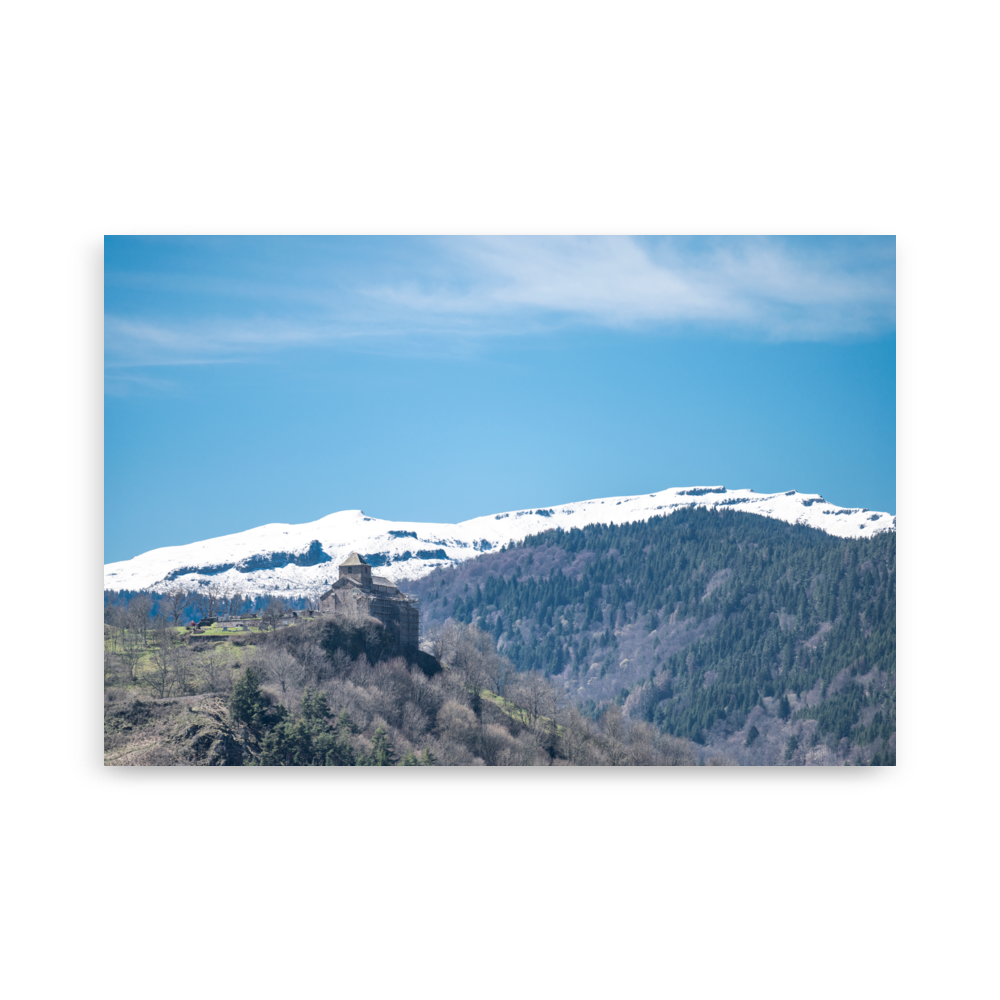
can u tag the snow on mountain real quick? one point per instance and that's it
(301, 560)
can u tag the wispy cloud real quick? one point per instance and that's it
(438, 294)
(129, 343)
(122, 382)
(750, 286)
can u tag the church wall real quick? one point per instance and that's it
(381, 600)
(387, 604)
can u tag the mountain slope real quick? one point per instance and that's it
(300, 560)
(767, 642)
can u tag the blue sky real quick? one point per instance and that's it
(259, 379)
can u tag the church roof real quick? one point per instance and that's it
(354, 560)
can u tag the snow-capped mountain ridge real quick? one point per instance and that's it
(301, 560)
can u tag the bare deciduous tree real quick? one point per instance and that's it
(457, 722)
(315, 665)
(111, 609)
(183, 672)
(532, 693)
(443, 643)
(109, 666)
(131, 647)
(274, 611)
(340, 663)
(178, 600)
(237, 603)
(469, 657)
(498, 670)
(282, 667)
(414, 723)
(116, 617)
(496, 745)
(642, 745)
(577, 734)
(139, 609)
(162, 674)
(675, 752)
(613, 725)
(215, 668)
(212, 596)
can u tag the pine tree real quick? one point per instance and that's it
(246, 703)
(341, 754)
(314, 706)
(427, 758)
(383, 754)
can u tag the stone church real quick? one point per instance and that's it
(357, 592)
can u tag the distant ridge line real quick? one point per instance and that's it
(298, 560)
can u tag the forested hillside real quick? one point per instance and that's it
(336, 692)
(770, 642)
(704, 636)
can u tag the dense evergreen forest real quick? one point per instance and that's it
(736, 631)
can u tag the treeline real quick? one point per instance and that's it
(179, 605)
(695, 620)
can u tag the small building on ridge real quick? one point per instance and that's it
(358, 592)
